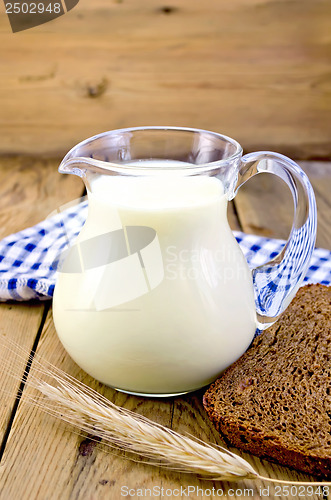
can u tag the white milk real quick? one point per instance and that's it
(170, 317)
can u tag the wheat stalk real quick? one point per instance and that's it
(88, 411)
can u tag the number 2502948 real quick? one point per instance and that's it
(33, 8)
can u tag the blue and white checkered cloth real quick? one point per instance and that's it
(28, 258)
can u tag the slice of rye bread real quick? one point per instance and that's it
(275, 401)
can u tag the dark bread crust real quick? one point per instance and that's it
(275, 401)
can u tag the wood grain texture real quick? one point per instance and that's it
(29, 190)
(54, 463)
(320, 177)
(264, 204)
(43, 459)
(257, 70)
(232, 217)
(20, 323)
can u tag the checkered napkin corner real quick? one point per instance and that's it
(29, 259)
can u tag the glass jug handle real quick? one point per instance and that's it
(277, 281)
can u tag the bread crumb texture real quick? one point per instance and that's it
(275, 401)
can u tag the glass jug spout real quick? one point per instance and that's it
(76, 166)
(81, 163)
(102, 154)
(134, 151)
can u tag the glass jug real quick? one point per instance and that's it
(155, 297)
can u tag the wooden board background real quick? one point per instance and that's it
(257, 70)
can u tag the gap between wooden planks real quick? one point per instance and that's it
(30, 189)
(264, 204)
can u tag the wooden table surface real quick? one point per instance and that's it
(40, 457)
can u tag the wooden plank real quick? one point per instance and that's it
(232, 217)
(243, 68)
(19, 322)
(54, 463)
(265, 207)
(255, 199)
(43, 460)
(51, 462)
(29, 191)
(320, 176)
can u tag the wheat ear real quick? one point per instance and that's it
(87, 410)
